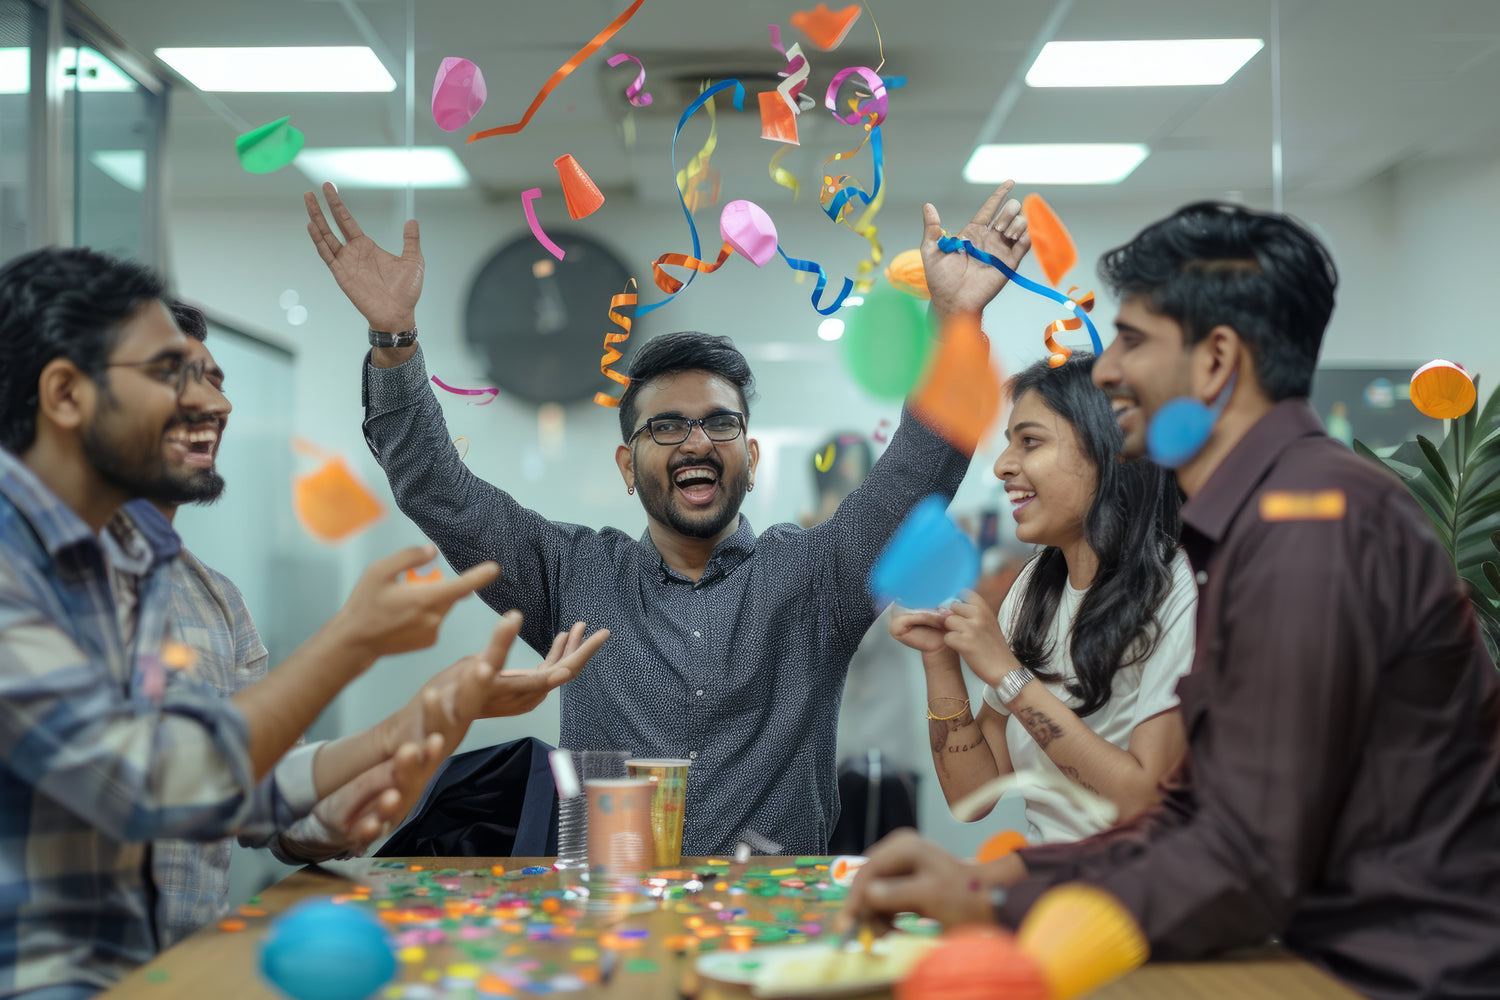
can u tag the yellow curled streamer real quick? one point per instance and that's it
(781, 175)
(611, 354)
(697, 169)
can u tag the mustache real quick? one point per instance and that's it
(709, 461)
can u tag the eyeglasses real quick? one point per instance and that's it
(174, 371)
(718, 427)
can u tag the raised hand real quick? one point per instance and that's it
(515, 692)
(923, 631)
(387, 615)
(958, 282)
(974, 631)
(383, 287)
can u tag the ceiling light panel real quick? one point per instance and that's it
(1178, 62)
(292, 69)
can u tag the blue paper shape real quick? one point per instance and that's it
(321, 950)
(1179, 431)
(927, 561)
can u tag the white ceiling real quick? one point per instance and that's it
(1367, 84)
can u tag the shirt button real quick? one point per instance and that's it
(1202, 577)
(692, 755)
(700, 692)
(697, 634)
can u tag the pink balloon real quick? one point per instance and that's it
(457, 94)
(747, 228)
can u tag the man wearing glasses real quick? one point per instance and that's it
(729, 647)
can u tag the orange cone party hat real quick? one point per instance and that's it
(579, 190)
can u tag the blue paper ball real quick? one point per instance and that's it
(321, 950)
(1179, 431)
(927, 561)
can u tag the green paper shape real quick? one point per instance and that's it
(641, 965)
(886, 343)
(809, 862)
(267, 149)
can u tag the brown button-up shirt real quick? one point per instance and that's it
(1342, 784)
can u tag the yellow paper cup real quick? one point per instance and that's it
(668, 801)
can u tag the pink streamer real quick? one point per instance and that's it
(527, 197)
(796, 73)
(878, 103)
(634, 92)
(491, 392)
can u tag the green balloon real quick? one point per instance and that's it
(270, 147)
(887, 341)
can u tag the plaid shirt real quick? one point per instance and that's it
(97, 760)
(208, 615)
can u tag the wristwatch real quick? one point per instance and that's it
(1009, 688)
(405, 338)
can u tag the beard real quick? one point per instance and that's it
(657, 496)
(133, 467)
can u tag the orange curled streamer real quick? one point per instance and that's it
(566, 68)
(1059, 353)
(611, 355)
(669, 284)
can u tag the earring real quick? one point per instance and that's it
(750, 488)
(630, 490)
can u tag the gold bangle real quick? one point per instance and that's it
(945, 718)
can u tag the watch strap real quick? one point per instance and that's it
(406, 338)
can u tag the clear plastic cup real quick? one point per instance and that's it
(573, 810)
(668, 800)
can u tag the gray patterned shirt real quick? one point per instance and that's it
(741, 671)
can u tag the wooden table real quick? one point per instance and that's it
(220, 964)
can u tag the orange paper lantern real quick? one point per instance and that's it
(974, 964)
(961, 398)
(1051, 243)
(1442, 390)
(332, 503)
(905, 271)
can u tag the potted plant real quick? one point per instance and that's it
(1457, 483)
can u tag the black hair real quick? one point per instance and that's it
(60, 303)
(1262, 273)
(190, 320)
(1132, 526)
(688, 351)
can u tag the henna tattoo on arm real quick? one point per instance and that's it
(1041, 728)
(1072, 773)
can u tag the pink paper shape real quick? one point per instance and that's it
(527, 197)
(747, 228)
(457, 94)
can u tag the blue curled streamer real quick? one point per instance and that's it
(813, 267)
(893, 82)
(692, 109)
(852, 191)
(952, 244)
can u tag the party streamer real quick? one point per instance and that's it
(796, 73)
(611, 354)
(490, 392)
(824, 462)
(562, 73)
(635, 92)
(952, 244)
(527, 197)
(781, 175)
(812, 267)
(1060, 354)
(698, 170)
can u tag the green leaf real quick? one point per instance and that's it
(1492, 574)
(1438, 465)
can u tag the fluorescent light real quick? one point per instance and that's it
(286, 69)
(1054, 162)
(127, 167)
(98, 74)
(384, 167)
(831, 328)
(1178, 62)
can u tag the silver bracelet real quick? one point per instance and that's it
(405, 338)
(1009, 688)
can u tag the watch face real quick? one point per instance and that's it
(539, 322)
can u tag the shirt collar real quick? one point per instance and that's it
(1231, 484)
(141, 528)
(727, 555)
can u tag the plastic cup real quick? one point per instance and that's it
(620, 843)
(668, 778)
(573, 811)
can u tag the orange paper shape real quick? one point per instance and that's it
(579, 190)
(1442, 390)
(825, 28)
(1001, 844)
(961, 397)
(777, 122)
(332, 504)
(612, 353)
(974, 963)
(905, 271)
(1051, 243)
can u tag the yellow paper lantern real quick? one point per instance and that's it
(1442, 390)
(1082, 938)
(905, 271)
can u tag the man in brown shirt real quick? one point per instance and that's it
(1342, 785)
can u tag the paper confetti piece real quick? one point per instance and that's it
(1003, 843)
(826, 28)
(824, 461)
(905, 271)
(231, 924)
(747, 228)
(635, 92)
(331, 503)
(812, 267)
(777, 122)
(465, 452)
(886, 344)
(796, 73)
(961, 397)
(1060, 354)
(178, 656)
(581, 194)
(876, 434)
(458, 92)
(270, 147)
(527, 197)
(611, 354)
(566, 68)
(927, 561)
(1316, 505)
(952, 244)
(1442, 390)
(1051, 243)
(489, 393)
(411, 576)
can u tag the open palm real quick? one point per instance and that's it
(958, 282)
(383, 287)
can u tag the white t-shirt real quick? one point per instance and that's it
(1141, 691)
